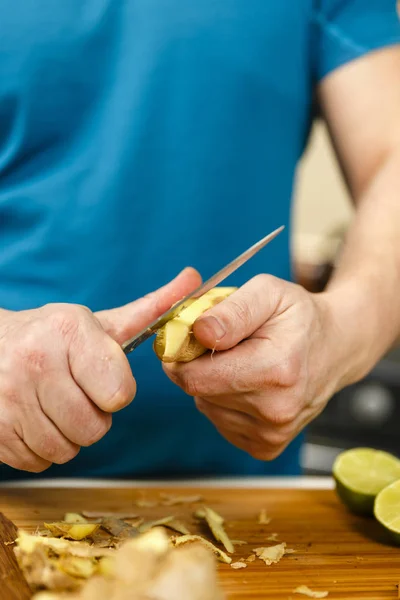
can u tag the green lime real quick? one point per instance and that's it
(387, 509)
(360, 474)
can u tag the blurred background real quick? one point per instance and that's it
(367, 413)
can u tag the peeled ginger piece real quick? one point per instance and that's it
(175, 341)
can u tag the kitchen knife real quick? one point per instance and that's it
(216, 279)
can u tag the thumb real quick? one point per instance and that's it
(126, 321)
(239, 315)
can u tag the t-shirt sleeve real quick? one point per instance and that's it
(348, 29)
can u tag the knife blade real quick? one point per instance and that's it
(213, 281)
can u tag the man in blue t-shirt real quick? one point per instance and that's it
(141, 136)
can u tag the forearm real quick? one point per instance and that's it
(364, 292)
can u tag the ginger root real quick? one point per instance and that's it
(175, 341)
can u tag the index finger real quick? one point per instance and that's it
(100, 368)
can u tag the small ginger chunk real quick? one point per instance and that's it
(251, 558)
(272, 554)
(238, 565)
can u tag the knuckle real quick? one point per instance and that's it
(262, 452)
(34, 465)
(9, 396)
(24, 462)
(190, 384)
(201, 404)
(28, 355)
(8, 433)
(52, 448)
(47, 447)
(67, 318)
(288, 372)
(98, 430)
(34, 360)
(66, 455)
(123, 395)
(240, 313)
(274, 438)
(263, 279)
(282, 414)
(64, 323)
(10, 450)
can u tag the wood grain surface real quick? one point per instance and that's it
(346, 555)
(12, 582)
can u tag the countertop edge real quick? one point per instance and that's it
(306, 482)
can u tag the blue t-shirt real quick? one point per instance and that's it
(141, 136)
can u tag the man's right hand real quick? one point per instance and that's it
(63, 372)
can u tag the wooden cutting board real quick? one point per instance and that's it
(334, 550)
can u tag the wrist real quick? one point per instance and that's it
(359, 330)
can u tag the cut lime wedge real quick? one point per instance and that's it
(387, 509)
(360, 474)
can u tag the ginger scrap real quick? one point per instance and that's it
(74, 531)
(273, 537)
(215, 523)
(184, 539)
(251, 558)
(178, 527)
(238, 565)
(119, 528)
(56, 563)
(151, 524)
(305, 590)
(105, 542)
(74, 518)
(263, 518)
(94, 514)
(238, 542)
(148, 567)
(272, 554)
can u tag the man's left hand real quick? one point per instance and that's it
(277, 361)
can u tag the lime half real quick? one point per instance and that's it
(360, 474)
(387, 509)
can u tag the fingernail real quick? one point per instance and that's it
(214, 327)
